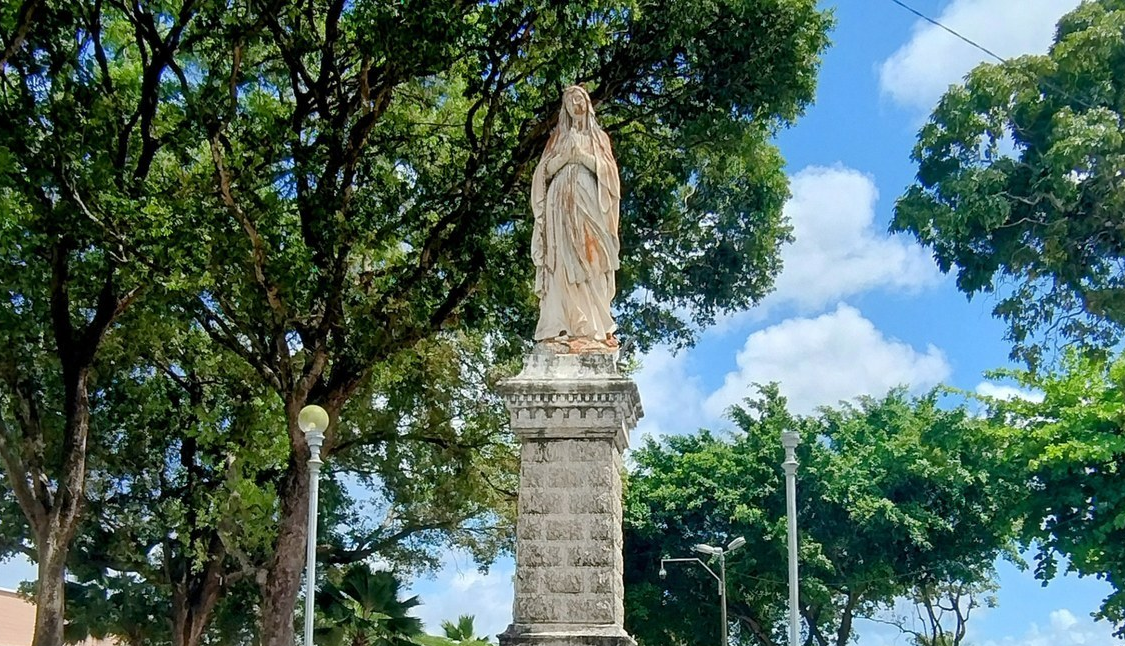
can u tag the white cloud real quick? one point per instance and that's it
(1063, 619)
(1063, 628)
(820, 361)
(1001, 391)
(460, 589)
(838, 251)
(920, 71)
(672, 398)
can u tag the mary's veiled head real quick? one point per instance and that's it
(577, 109)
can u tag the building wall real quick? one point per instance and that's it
(17, 621)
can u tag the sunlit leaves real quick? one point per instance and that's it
(896, 496)
(1068, 442)
(1020, 186)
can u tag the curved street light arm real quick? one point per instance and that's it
(680, 560)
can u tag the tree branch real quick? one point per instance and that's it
(258, 246)
(755, 627)
(222, 334)
(23, 26)
(25, 496)
(337, 556)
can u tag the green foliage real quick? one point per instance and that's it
(124, 610)
(459, 633)
(313, 215)
(180, 509)
(1019, 185)
(1071, 449)
(895, 494)
(424, 461)
(940, 613)
(363, 608)
(462, 632)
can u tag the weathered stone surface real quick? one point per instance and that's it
(598, 610)
(530, 580)
(573, 397)
(531, 528)
(540, 502)
(516, 637)
(565, 529)
(565, 581)
(572, 414)
(537, 609)
(588, 502)
(577, 475)
(600, 528)
(601, 581)
(539, 554)
(595, 555)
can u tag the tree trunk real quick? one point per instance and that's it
(195, 597)
(53, 539)
(190, 619)
(50, 598)
(847, 615)
(280, 592)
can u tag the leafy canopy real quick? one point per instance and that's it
(897, 498)
(1020, 185)
(1070, 448)
(363, 608)
(333, 195)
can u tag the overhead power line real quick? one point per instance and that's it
(950, 30)
(1046, 82)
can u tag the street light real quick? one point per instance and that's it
(721, 577)
(313, 421)
(790, 439)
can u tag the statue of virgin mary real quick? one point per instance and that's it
(575, 197)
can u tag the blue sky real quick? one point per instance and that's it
(856, 311)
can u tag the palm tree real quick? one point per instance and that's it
(364, 609)
(462, 632)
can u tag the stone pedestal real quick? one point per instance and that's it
(572, 414)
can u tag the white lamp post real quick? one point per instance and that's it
(313, 421)
(721, 577)
(790, 439)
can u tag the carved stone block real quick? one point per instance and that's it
(572, 415)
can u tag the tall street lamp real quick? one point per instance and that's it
(313, 421)
(790, 439)
(721, 577)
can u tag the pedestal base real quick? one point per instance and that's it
(572, 415)
(517, 635)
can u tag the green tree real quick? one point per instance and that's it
(1019, 185)
(323, 205)
(896, 496)
(177, 512)
(456, 633)
(363, 608)
(462, 631)
(65, 275)
(939, 614)
(179, 515)
(1071, 448)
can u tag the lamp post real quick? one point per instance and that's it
(721, 577)
(790, 439)
(313, 421)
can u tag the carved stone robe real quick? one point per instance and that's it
(575, 241)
